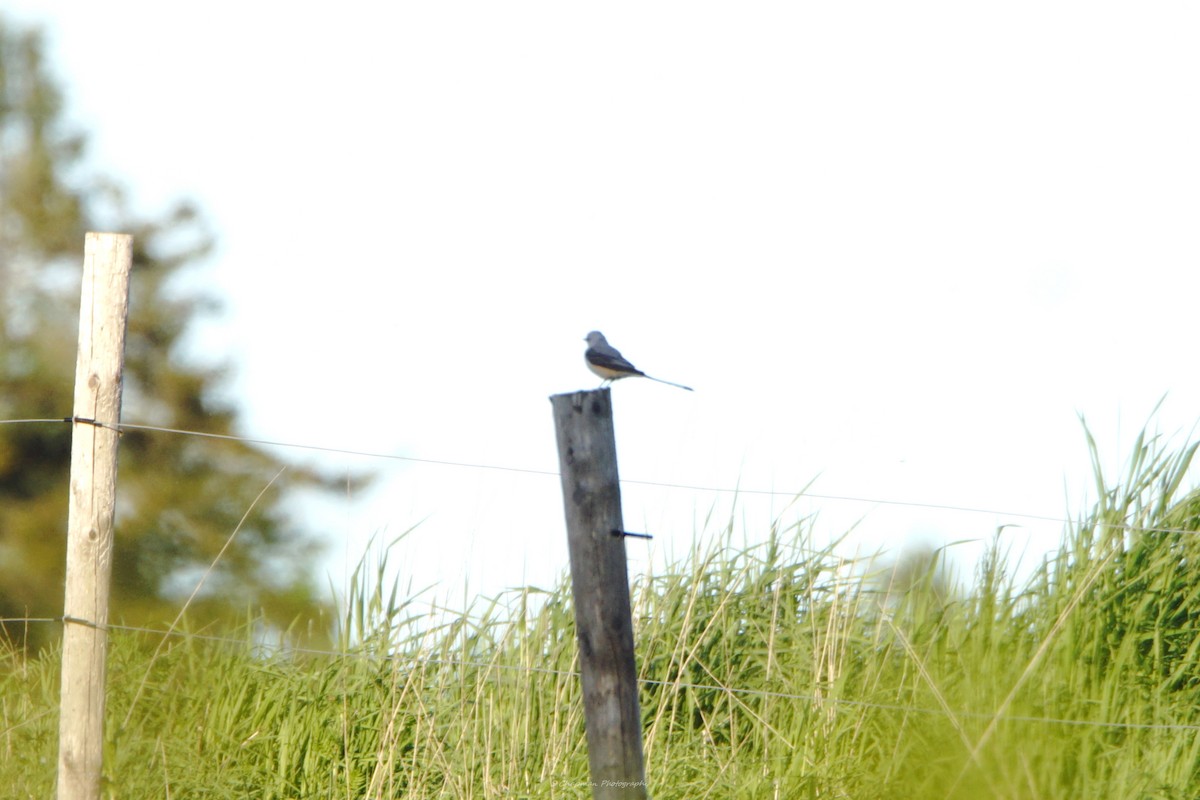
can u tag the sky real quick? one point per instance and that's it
(899, 249)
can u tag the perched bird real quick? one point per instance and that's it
(607, 362)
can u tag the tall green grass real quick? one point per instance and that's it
(773, 671)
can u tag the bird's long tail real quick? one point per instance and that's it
(668, 383)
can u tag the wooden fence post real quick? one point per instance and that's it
(587, 457)
(103, 308)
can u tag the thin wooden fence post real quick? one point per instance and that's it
(587, 457)
(103, 309)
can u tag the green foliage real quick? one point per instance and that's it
(771, 671)
(179, 498)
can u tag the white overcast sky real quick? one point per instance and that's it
(897, 248)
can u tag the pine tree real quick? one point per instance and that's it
(179, 498)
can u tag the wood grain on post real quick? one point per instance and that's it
(103, 310)
(587, 457)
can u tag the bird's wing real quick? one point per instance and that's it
(610, 360)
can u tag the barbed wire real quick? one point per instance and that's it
(525, 669)
(123, 426)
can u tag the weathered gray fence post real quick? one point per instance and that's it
(103, 309)
(587, 457)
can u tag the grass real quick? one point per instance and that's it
(773, 671)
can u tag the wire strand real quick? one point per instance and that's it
(338, 450)
(123, 426)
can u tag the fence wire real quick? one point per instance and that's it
(799, 697)
(740, 490)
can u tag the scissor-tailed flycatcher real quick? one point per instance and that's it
(607, 362)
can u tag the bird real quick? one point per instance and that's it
(607, 362)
